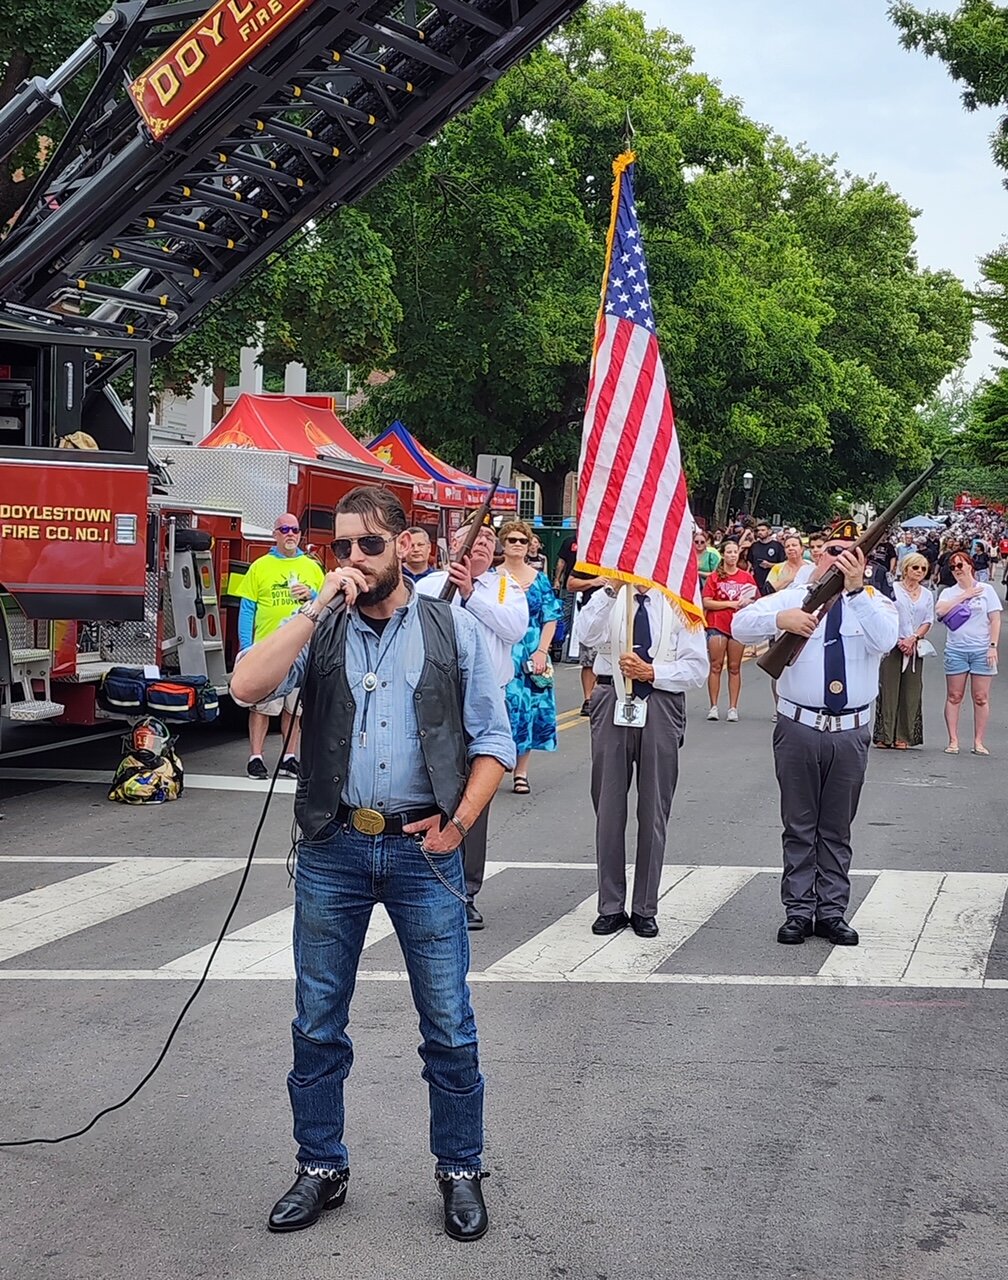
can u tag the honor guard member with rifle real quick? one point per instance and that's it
(663, 659)
(823, 730)
(405, 741)
(498, 604)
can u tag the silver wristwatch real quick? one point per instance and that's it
(312, 610)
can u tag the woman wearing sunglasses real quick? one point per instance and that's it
(972, 612)
(899, 721)
(531, 701)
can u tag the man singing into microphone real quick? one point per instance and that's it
(404, 741)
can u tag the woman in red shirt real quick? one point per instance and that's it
(726, 590)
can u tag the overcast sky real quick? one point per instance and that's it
(836, 77)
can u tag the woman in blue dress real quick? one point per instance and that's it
(531, 701)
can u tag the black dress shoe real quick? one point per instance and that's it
(308, 1197)
(837, 931)
(794, 930)
(644, 926)
(611, 923)
(473, 918)
(465, 1214)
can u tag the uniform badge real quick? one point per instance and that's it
(836, 686)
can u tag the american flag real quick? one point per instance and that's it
(634, 520)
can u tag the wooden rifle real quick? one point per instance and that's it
(477, 522)
(783, 651)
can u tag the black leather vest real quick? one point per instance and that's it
(328, 718)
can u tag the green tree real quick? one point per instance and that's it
(972, 41)
(327, 301)
(969, 426)
(793, 318)
(35, 37)
(499, 231)
(988, 432)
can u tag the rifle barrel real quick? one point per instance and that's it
(783, 651)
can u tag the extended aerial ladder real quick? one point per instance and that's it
(210, 136)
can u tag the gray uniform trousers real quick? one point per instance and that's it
(820, 777)
(474, 850)
(653, 753)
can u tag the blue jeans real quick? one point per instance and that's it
(339, 880)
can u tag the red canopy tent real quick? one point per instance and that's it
(398, 448)
(303, 426)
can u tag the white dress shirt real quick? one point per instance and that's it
(498, 603)
(688, 667)
(869, 628)
(913, 613)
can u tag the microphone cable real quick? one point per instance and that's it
(116, 1106)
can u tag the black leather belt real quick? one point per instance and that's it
(372, 822)
(603, 680)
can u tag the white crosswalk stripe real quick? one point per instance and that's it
(687, 898)
(919, 929)
(263, 949)
(923, 926)
(45, 915)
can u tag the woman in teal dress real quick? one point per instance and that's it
(531, 708)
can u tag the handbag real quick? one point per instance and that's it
(957, 616)
(925, 649)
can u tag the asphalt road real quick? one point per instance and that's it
(717, 1107)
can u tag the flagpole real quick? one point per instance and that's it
(629, 637)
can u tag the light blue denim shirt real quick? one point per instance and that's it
(387, 770)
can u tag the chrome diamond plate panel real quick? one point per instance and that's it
(252, 481)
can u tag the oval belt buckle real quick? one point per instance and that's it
(369, 822)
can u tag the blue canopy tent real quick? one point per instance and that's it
(922, 522)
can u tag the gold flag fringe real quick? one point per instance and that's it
(685, 610)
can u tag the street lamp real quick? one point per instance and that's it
(747, 479)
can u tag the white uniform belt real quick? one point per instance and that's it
(822, 720)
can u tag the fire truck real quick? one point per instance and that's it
(204, 139)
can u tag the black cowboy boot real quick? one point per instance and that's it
(313, 1191)
(465, 1214)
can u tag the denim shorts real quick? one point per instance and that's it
(974, 662)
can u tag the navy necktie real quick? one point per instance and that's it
(834, 664)
(641, 642)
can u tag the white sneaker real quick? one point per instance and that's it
(732, 715)
(712, 714)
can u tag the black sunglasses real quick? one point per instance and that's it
(287, 528)
(834, 550)
(518, 542)
(372, 544)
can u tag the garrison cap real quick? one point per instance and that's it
(469, 520)
(846, 530)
